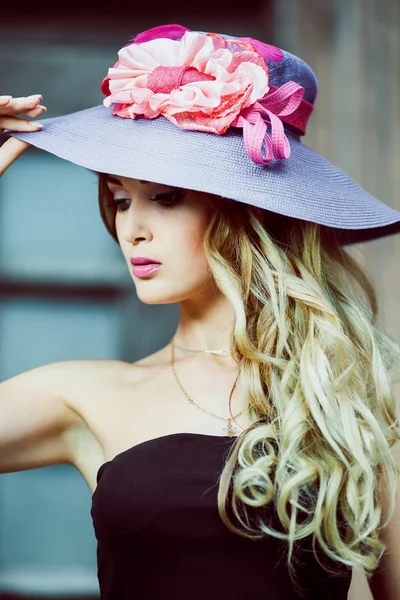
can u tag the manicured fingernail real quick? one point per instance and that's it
(35, 97)
(5, 98)
(42, 107)
(36, 125)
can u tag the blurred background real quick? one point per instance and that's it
(65, 291)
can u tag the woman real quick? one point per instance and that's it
(256, 455)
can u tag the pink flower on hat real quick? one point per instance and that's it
(199, 82)
(208, 82)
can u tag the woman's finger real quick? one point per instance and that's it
(14, 124)
(10, 151)
(5, 100)
(19, 105)
(34, 112)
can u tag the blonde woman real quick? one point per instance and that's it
(254, 456)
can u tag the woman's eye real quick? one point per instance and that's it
(120, 204)
(166, 200)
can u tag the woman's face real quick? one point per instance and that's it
(165, 225)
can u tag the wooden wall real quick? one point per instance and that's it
(353, 47)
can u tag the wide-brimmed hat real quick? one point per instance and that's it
(217, 114)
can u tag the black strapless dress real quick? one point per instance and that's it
(160, 536)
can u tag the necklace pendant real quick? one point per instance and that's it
(231, 431)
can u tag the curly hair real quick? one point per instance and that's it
(318, 376)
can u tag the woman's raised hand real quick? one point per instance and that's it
(10, 111)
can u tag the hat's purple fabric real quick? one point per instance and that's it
(305, 186)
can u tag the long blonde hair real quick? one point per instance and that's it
(318, 376)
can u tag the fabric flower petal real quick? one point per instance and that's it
(173, 32)
(254, 73)
(266, 50)
(218, 40)
(150, 54)
(204, 94)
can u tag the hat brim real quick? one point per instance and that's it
(306, 186)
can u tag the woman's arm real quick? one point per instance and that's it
(35, 418)
(9, 109)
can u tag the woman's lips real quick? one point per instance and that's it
(144, 270)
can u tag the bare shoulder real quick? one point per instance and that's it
(83, 376)
(89, 380)
(105, 396)
(94, 388)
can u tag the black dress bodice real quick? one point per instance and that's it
(159, 533)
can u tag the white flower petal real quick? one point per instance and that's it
(256, 76)
(204, 94)
(193, 46)
(149, 55)
(218, 62)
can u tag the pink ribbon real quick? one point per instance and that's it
(280, 104)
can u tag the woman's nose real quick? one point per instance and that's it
(135, 225)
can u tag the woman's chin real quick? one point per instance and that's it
(153, 297)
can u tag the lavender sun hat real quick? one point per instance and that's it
(217, 114)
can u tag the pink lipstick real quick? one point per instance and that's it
(143, 266)
(144, 270)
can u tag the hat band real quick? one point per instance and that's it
(299, 117)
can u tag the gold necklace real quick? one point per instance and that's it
(204, 351)
(229, 428)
